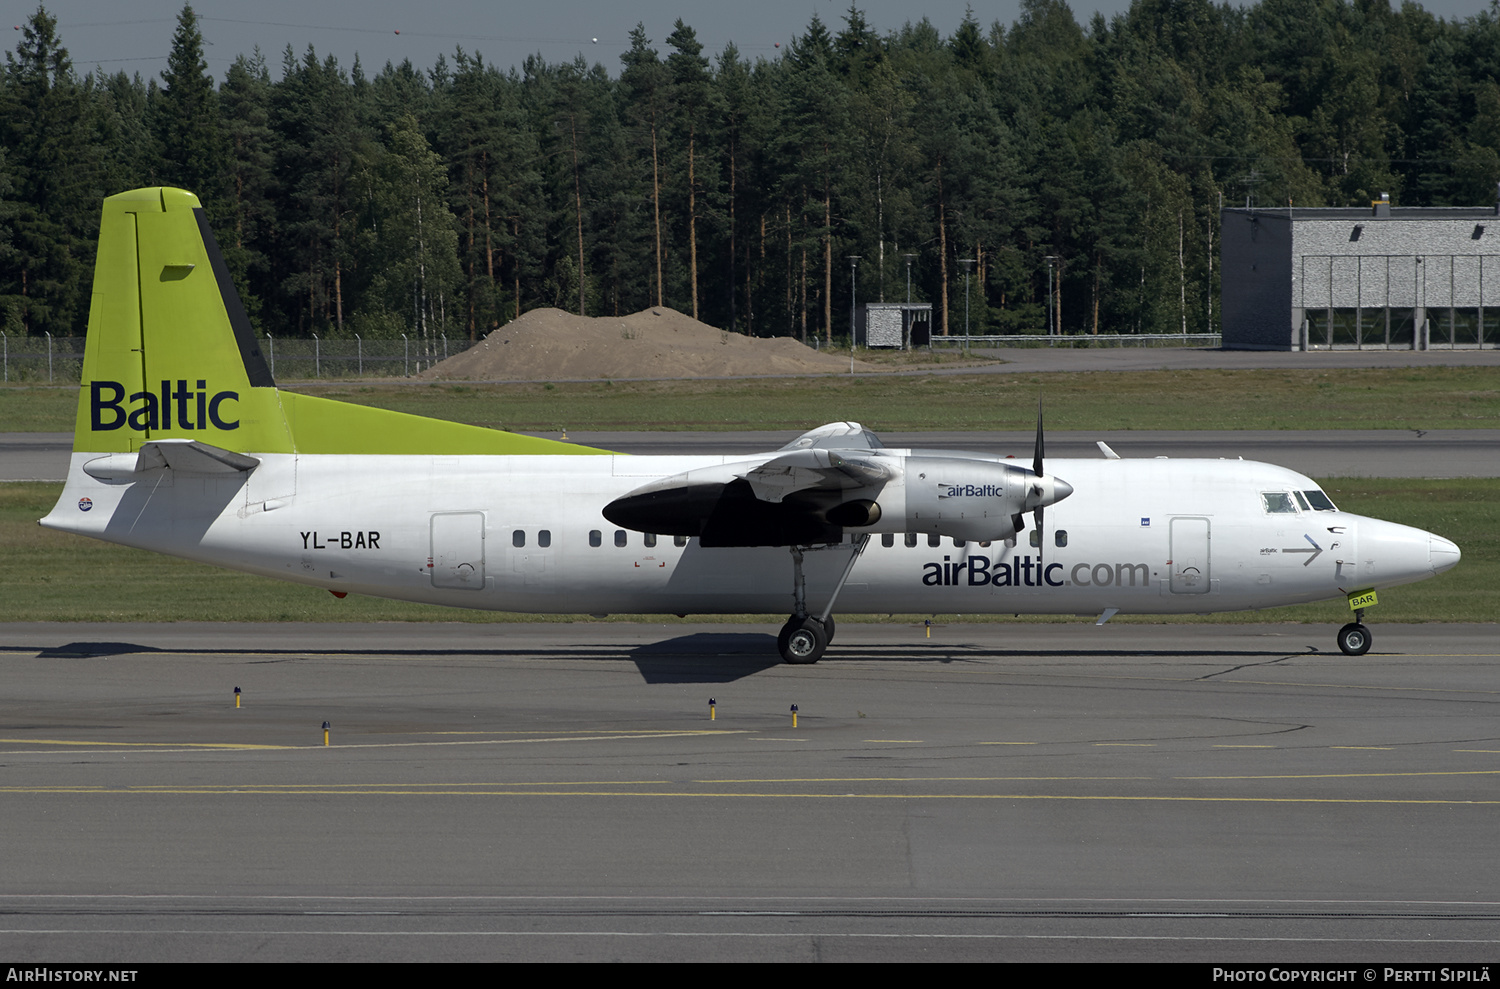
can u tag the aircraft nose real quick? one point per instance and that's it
(1443, 553)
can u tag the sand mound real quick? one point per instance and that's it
(550, 344)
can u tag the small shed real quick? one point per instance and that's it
(897, 324)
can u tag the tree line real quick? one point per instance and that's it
(1003, 167)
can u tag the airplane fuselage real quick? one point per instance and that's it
(527, 534)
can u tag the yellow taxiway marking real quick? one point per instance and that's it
(894, 741)
(1007, 743)
(388, 790)
(1481, 751)
(1350, 776)
(143, 745)
(1363, 748)
(614, 732)
(122, 746)
(1244, 746)
(932, 779)
(1125, 745)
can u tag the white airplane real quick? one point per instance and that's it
(185, 446)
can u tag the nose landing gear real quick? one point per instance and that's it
(1354, 639)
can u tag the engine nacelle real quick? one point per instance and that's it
(964, 499)
(951, 496)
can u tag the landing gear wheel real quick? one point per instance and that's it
(1354, 639)
(802, 640)
(828, 629)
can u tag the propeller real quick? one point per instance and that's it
(1042, 490)
(1036, 468)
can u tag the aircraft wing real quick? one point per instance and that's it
(836, 436)
(814, 469)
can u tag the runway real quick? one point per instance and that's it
(549, 792)
(1317, 453)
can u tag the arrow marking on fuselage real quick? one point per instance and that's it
(1316, 550)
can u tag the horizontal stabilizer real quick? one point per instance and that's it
(187, 456)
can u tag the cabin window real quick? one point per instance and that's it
(984, 544)
(960, 543)
(518, 538)
(619, 537)
(1060, 538)
(911, 539)
(650, 539)
(1036, 538)
(679, 540)
(887, 539)
(1278, 503)
(544, 538)
(1320, 502)
(933, 539)
(596, 538)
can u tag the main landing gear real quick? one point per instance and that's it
(804, 637)
(1354, 638)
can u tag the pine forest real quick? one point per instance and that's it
(451, 198)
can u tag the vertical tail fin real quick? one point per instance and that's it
(170, 352)
(172, 355)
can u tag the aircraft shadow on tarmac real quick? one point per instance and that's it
(697, 657)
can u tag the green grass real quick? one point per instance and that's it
(53, 576)
(1370, 398)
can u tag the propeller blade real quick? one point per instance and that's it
(1036, 459)
(1036, 468)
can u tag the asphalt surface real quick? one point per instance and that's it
(558, 792)
(1317, 453)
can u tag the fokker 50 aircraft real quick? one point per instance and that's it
(184, 445)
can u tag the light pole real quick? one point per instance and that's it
(1051, 260)
(967, 263)
(853, 291)
(908, 276)
(906, 316)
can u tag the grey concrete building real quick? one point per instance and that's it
(1384, 277)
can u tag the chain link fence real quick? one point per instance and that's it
(60, 359)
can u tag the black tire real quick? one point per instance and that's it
(1354, 639)
(828, 629)
(802, 641)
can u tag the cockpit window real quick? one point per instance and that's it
(1278, 503)
(1320, 502)
(1302, 501)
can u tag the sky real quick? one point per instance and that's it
(136, 35)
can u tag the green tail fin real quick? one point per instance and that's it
(171, 354)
